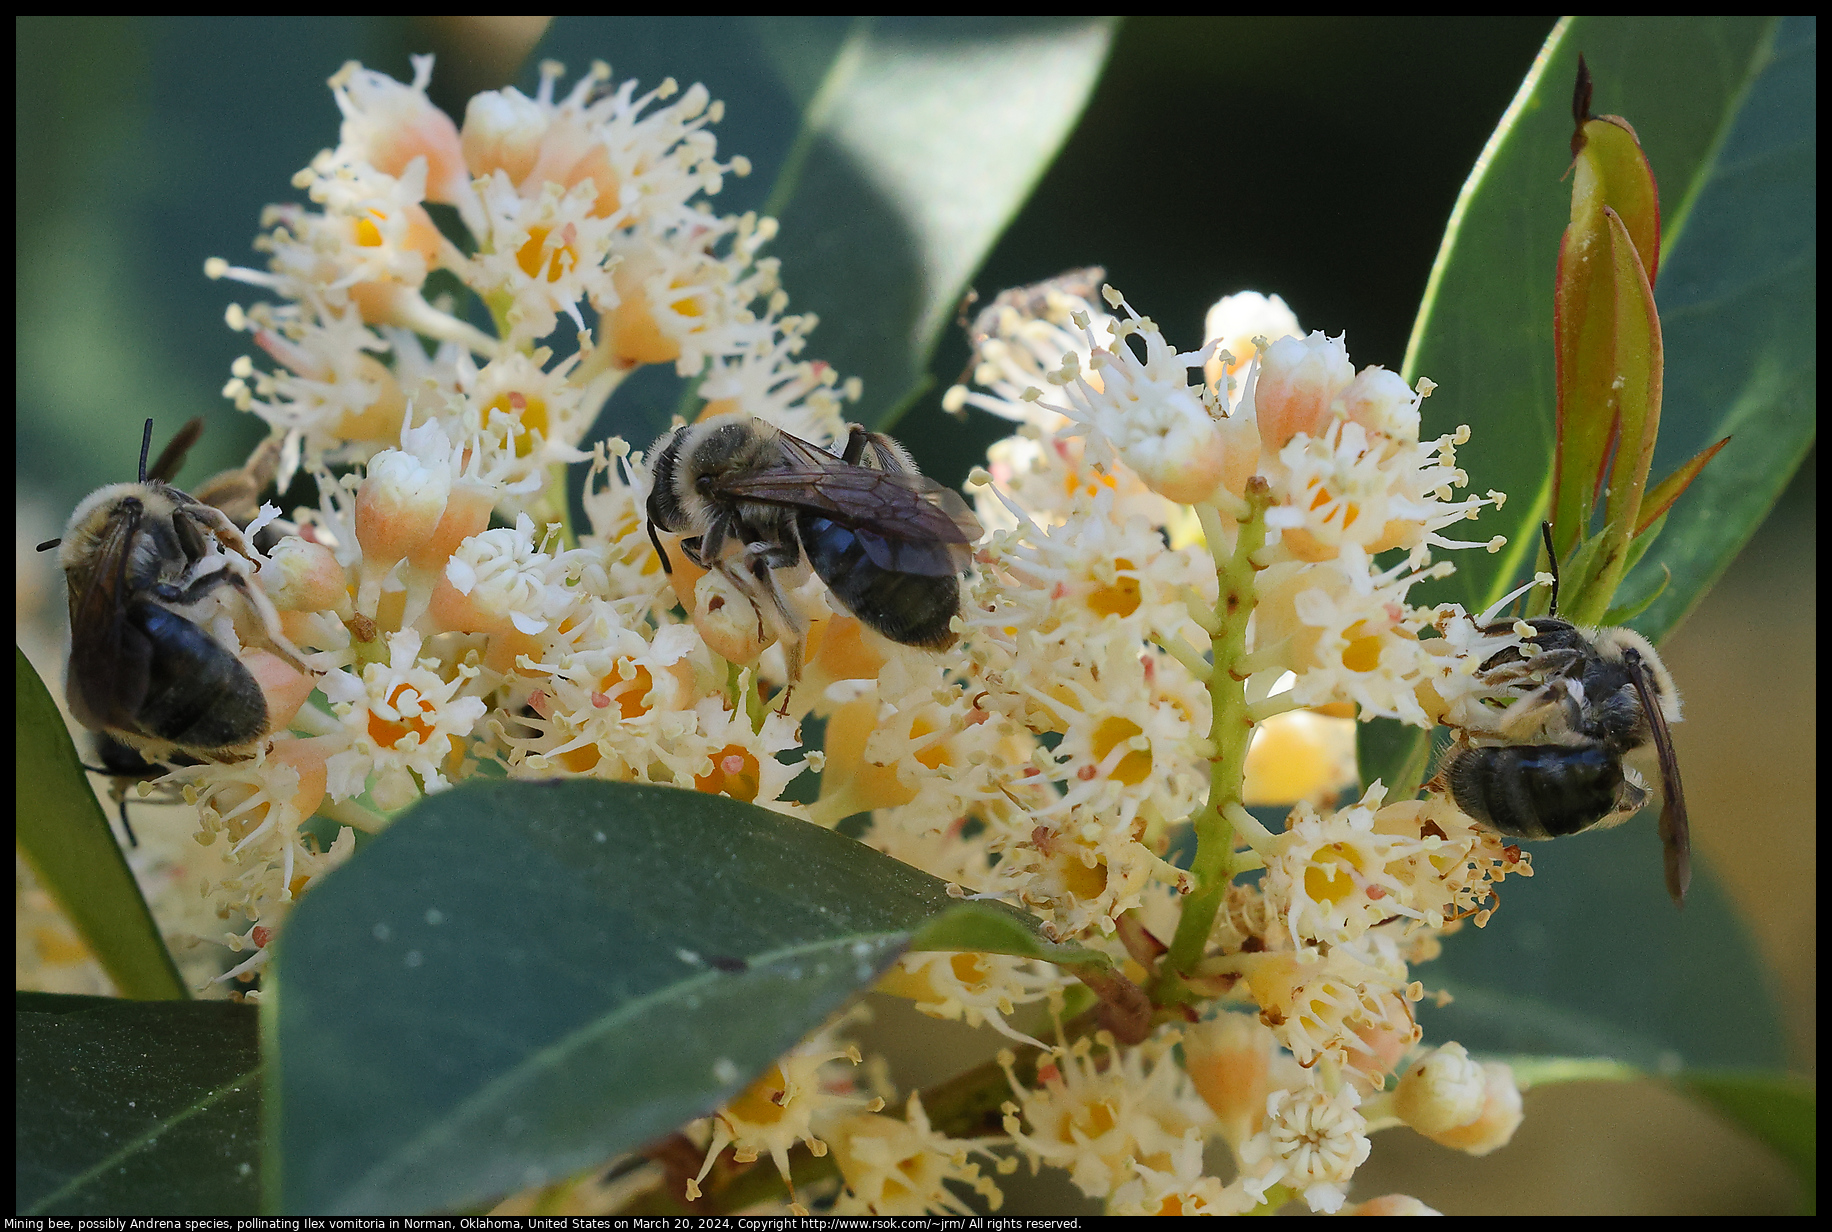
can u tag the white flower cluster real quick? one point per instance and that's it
(1154, 543)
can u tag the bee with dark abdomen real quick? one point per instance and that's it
(1577, 701)
(157, 580)
(755, 502)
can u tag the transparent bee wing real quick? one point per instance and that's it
(895, 508)
(1675, 826)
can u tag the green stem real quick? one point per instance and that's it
(1230, 731)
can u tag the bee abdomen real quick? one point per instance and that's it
(911, 608)
(1535, 791)
(198, 694)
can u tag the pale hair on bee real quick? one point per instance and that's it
(760, 507)
(1570, 703)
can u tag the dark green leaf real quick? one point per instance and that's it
(1589, 958)
(520, 980)
(1738, 296)
(72, 851)
(1484, 332)
(129, 1108)
(1724, 108)
(893, 151)
(927, 136)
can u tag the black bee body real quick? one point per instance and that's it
(1536, 791)
(755, 501)
(152, 571)
(904, 605)
(1550, 764)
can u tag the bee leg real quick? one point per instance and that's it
(855, 445)
(762, 560)
(126, 826)
(667, 565)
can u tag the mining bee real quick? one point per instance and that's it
(162, 597)
(1577, 701)
(756, 502)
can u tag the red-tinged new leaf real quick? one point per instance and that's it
(1661, 496)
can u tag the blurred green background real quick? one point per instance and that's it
(1314, 158)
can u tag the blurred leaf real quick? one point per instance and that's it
(1725, 110)
(1590, 959)
(125, 1106)
(1779, 1109)
(520, 980)
(65, 837)
(926, 138)
(894, 150)
(1530, 1072)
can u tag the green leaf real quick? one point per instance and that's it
(65, 837)
(893, 151)
(1724, 108)
(130, 1107)
(1713, 99)
(925, 139)
(520, 980)
(1738, 297)
(1779, 1109)
(1589, 958)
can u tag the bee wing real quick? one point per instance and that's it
(904, 521)
(107, 680)
(1675, 828)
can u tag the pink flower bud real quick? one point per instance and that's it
(398, 506)
(1380, 402)
(1298, 387)
(301, 576)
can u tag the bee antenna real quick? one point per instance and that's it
(1545, 532)
(146, 444)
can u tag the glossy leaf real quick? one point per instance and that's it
(924, 141)
(894, 151)
(520, 980)
(1738, 297)
(1715, 101)
(129, 1108)
(64, 836)
(1725, 109)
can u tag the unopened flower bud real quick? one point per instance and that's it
(1500, 1116)
(1235, 321)
(301, 576)
(502, 132)
(1175, 447)
(392, 124)
(398, 507)
(1380, 402)
(1441, 1091)
(467, 513)
(283, 687)
(1229, 1060)
(1297, 386)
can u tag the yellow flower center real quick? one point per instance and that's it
(1135, 766)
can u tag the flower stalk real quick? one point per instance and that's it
(1230, 732)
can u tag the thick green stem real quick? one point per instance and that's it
(1230, 731)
